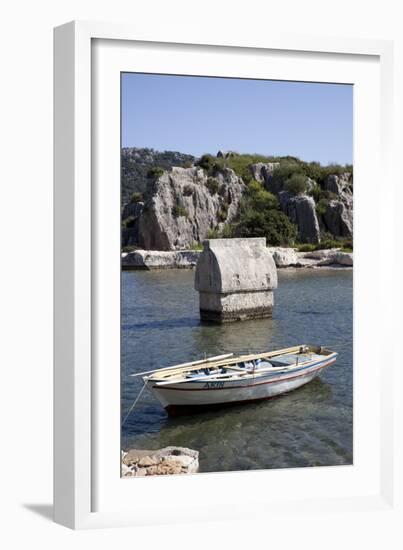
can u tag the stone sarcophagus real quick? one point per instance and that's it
(235, 279)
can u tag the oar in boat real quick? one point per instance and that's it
(182, 365)
(195, 379)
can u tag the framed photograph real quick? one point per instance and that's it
(218, 274)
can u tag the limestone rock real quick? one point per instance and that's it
(301, 211)
(338, 218)
(344, 258)
(132, 209)
(284, 257)
(235, 279)
(147, 461)
(183, 205)
(338, 184)
(318, 258)
(130, 216)
(160, 259)
(263, 172)
(166, 461)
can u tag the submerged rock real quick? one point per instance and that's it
(166, 461)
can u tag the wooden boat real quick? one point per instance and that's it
(229, 379)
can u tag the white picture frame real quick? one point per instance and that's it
(88, 491)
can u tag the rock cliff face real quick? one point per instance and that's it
(337, 218)
(136, 161)
(178, 206)
(182, 205)
(263, 172)
(301, 211)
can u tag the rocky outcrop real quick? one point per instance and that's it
(131, 215)
(338, 218)
(136, 162)
(301, 211)
(183, 205)
(290, 257)
(179, 206)
(235, 279)
(339, 184)
(284, 257)
(225, 154)
(262, 172)
(332, 256)
(167, 461)
(160, 259)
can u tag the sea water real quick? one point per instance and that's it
(311, 426)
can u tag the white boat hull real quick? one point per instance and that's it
(181, 397)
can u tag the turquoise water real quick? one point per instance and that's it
(311, 426)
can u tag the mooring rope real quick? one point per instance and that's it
(134, 403)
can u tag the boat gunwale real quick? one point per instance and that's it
(247, 376)
(328, 362)
(170, 371)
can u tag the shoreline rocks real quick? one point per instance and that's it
(160, 259)
(283, 258)
(166, 461)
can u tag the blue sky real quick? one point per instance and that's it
(199, 115)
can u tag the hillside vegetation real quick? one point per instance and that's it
(285, 199)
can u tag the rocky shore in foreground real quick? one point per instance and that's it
(166, 461)
(283, 258)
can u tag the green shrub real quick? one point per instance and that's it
(179, 211)
(128, 222)
(155, 172)
(347, 245)
(284, 172)
(206, 162)
(129, 248)
(212, 185)
(213, 234)
(136, 197)
(257, 198)
(240, 164)
(196, 246)
(296, 184)
(223, 212)
(272, 224)
(321, 206)
(312, 170)
(228, 231)
(305, 247)
(327, 241)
